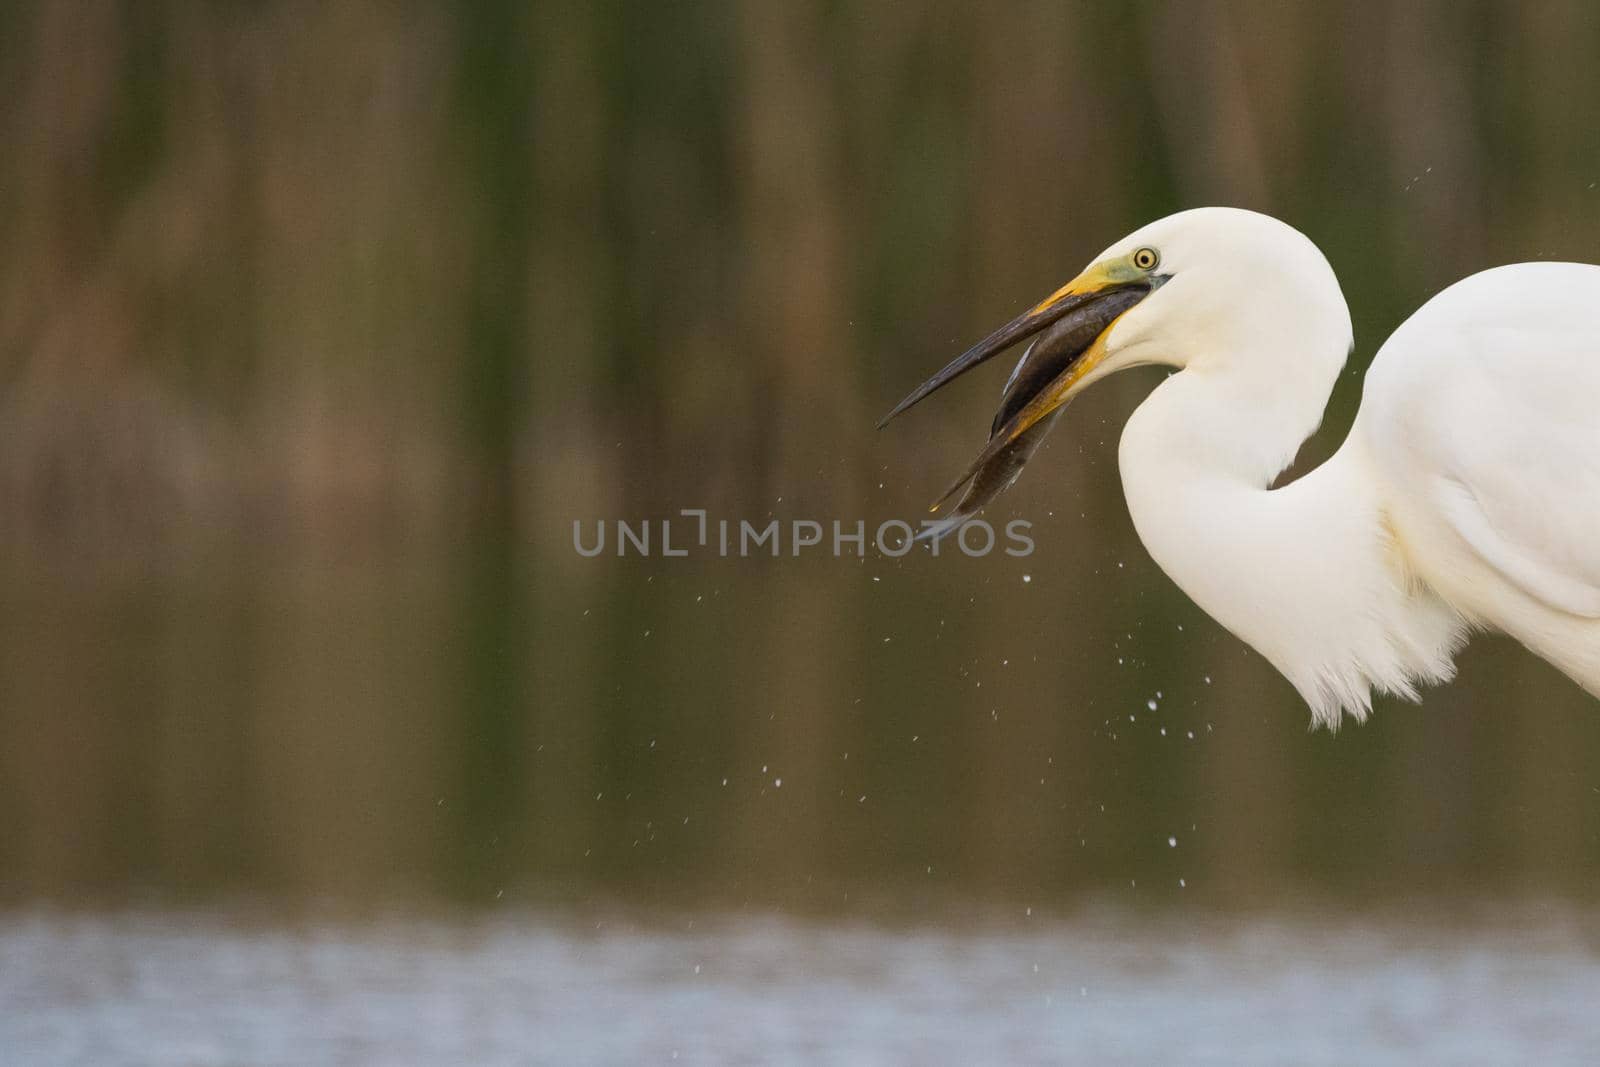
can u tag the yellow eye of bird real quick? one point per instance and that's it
(1146, 258)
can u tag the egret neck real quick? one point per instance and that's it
(1309, 574)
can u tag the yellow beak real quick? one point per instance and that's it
(1072, 325)
(1084, 299)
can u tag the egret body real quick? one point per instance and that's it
(1466, 496)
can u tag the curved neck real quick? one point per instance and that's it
(1305, 574)
(1234, 427)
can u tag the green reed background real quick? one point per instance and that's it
(319, 326)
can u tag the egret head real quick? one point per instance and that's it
(1227, 286)
(1202, 287)
(1230, 291)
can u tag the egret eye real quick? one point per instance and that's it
(1146, 258)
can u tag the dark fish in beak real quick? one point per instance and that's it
(1068, 325)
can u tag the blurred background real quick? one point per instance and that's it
(320, 326)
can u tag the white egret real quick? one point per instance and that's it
(1466, 496)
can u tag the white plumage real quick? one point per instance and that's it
(1467, 494)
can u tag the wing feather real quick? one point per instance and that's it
(1486, 409)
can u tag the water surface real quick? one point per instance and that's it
(1102, 988)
